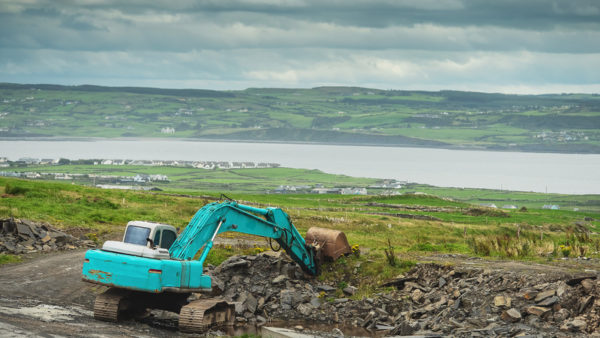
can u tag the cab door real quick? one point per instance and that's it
(167, 238)
(164, 238)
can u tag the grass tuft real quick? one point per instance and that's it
(8, 259)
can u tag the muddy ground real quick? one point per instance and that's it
(44, 296)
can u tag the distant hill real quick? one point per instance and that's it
(337, 115)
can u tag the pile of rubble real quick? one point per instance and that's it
(429, 299)
(20, 236)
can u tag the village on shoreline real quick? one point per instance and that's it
(142, 181)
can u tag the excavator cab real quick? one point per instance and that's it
(148, 233)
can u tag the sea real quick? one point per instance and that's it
(520, 171)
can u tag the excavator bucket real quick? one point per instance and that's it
(333, 243)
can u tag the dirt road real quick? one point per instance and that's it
(46, 297)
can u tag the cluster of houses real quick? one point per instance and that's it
(512, 206)
(562, 136)
(494, 206)
(137, 179)
(4, 162)
(190, 164)
(387, 187)
(318, 189)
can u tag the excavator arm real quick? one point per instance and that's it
(216, 218)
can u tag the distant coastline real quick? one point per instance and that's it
(209, 140)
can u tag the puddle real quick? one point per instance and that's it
(328, 329)
(47, 313)
(10, 331)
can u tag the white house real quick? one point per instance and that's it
(488, 205)
(158, 177)
(354, 191)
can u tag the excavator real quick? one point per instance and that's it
(153, 268)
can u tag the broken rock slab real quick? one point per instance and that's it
(325, 288)
(543, 295)
(279, 279)
(549, 301)
(350, 290)
(538, 311)
(511, 315)
(305, 309)
(502, 301)
(574, 325)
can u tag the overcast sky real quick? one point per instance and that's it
(512, 46)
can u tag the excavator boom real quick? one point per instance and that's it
(216, 218)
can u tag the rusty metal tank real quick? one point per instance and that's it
(333, 243)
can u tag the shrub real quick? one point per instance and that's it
(389, 254)
(14, 189)
(356, 250)
(565, 250)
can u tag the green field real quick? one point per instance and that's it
(102, 210)
(517, 198)
(372, 223)
(186, 180)
(339, 115)
(190, 180)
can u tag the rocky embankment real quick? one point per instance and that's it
(429, 299)
(20, 236)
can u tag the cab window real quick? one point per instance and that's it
(136, 235)
(168, 237)
(157, 237)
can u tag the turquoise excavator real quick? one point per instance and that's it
(154, 268)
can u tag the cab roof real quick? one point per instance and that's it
(150, 225)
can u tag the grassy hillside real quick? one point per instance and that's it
(369, 221)
(341, 115)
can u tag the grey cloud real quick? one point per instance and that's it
(530, 14)
(185, 32)
(293, 67)
(223, 44)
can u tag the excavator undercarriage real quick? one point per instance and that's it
(196, 315)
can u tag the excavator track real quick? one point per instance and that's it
(109, 304)
(202, 314)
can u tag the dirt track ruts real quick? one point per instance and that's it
(46, 297)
